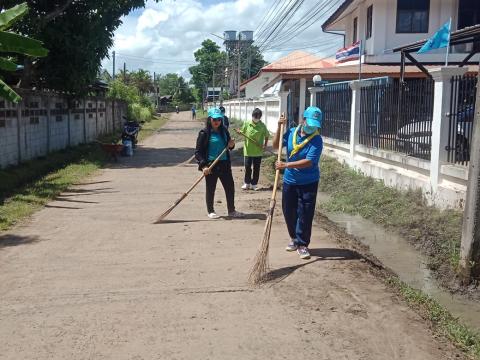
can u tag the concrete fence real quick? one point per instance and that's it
(442, 182)
(44, 122)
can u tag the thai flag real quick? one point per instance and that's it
(349, 53)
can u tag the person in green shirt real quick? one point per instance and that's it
(256, 139)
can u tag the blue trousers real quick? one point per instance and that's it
(298, 203)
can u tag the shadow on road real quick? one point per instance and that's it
(151, 157)
(15, 240)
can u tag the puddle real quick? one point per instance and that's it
(409, 264)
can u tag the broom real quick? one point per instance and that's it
(185, 194)
(260, 267)
(253, 141)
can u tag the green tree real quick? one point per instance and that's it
(78, 34)
(12, 43)
(142, 80)
(210, 61)
(173, 84)
(253, 61)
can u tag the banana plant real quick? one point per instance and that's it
(12, 43)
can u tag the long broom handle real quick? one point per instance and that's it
(212, 165)
(253, 141)
(279, 157)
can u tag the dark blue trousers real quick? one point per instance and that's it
(298, 203)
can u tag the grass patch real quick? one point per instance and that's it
(28, 187)
(436, 232)
(444, 323)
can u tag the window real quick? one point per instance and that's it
(355, 30)
(412, 16)
(468, 13)
(369, 22)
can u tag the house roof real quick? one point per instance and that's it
(337, 14)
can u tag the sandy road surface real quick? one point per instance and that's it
(90, 277)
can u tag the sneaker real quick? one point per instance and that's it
(213, 216)
(254, 187)
(246, 187)
(303, 252)
(291, 246)
(236, 214)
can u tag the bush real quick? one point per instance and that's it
(140, 108)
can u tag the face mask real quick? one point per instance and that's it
(309, 130)
(255, 120)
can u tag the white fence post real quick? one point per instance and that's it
(356, 87)
(441, 107)
(313, 95)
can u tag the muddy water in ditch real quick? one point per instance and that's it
(397, 254)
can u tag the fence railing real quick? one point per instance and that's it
(461, 117)
(398, 117)
(335, 100)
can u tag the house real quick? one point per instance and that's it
(382, 25)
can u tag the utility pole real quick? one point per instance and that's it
(213, 86)
(125, 72)
(239, 67)
(470, 246)
(113, 72)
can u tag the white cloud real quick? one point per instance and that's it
(163, 37)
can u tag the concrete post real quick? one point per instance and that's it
(301, 102)
(313, 95)
(356, 87)
(265, 117)
(283, 101)
(84, 120)
(47, 106)
(19, 129)
(441, 108)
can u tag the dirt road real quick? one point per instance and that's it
(91, 277)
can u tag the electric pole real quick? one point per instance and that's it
(470, 246)
(113, 72)
(239, 67)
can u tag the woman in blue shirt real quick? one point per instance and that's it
(300, 180)
(211, 141)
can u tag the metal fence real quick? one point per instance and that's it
(335, 100)
(398, 117)
(461, 117)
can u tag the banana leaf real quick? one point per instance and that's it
(7, 65)
(11, 16)
(14, 43)
(7, 93)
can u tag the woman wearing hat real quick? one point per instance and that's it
(211, 141)
(300, 180)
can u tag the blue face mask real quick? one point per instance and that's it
(309, 130)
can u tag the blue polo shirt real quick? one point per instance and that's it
(311, 151)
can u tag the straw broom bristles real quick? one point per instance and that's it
(259, 271)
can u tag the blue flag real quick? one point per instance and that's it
(441, 39)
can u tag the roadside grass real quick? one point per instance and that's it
(444, 323)
(28, 187)
(435, 232)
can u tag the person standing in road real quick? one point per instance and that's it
(211, 141)
(194, 112)
(300, 180)
(256, 140)
(226, 122)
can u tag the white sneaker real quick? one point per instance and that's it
(246, 187)
(236, 214)
(303, 252)
(254, 187)
(213, 216)
(291, 246)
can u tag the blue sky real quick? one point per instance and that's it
(162, 37)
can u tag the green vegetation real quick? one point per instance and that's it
(175, 85)
(12, 43)
(435, 231)
(26, 188)
(444, 323)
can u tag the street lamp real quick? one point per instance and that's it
(318, 81)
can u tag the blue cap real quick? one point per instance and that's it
(313, 116)
(215, 113)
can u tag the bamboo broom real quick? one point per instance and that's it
(185, 194)
(254, 142)
(260, 267)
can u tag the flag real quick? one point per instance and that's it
(441, 39)
(349, 53)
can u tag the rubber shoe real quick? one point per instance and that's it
(246, 187)
(213, 216)
(236, 214)
(254, 187)
(303, 252)
(291, 246)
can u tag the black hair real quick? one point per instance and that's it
(257, 113)
(222, 109)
